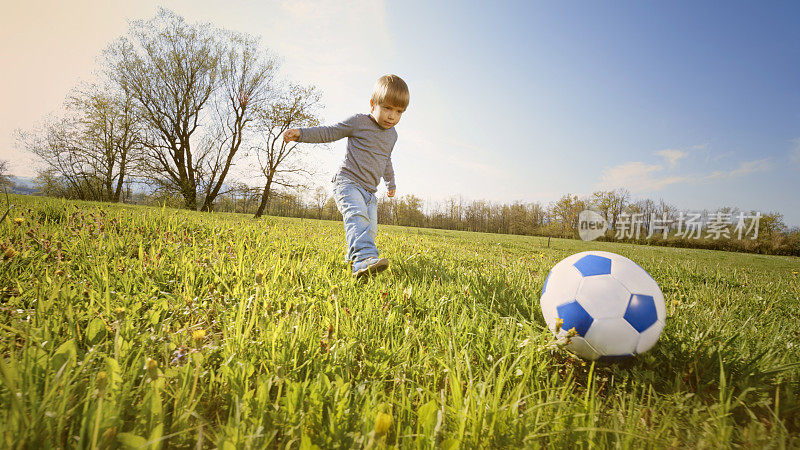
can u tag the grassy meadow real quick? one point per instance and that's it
(135, 327)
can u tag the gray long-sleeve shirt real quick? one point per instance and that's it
(369, 149)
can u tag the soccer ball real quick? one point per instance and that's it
(615, 306)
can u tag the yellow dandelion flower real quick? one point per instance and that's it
(152, 367)
(559, 323)
(198, 335)
(19, 220)
(572, 332)
(102, 380)
(383, 422)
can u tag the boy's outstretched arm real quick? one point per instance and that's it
(316, 135)
(388, 177)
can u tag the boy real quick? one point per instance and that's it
(370, 140)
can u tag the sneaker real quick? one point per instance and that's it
(370, 266)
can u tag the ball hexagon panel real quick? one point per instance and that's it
(641, 312)
(648, 338)
(603, 296)
(625, 337)
(574, 316)
(592, 264)
(580, 347)
(638, 281)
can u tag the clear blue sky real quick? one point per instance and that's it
(556, 93)
(697, 103)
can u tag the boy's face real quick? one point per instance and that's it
(386, 115)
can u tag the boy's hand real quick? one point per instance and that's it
(390, 193)
(290, 135)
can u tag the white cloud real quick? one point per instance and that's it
(672, 156)
(745, 167)
(637, 177)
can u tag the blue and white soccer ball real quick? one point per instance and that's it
(615, 306)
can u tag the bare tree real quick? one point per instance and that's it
(246, 83)
(111, 136)
(198, 89)
(68, 168)
(646, 207)
(320, 198)
(477, 215)
(454, 208)
(89, 149)
(171, 70)
(297, 107)
(4, 180)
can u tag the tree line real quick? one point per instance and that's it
(555, 219)
(769, 233)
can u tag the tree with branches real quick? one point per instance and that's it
(4, 179)
(90, 149)
(246, 84)
(278, 160)
(197, 89)
(565, 211)
(170, 68)
(111, 136)
(67, 171)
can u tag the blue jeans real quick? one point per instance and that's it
(359, 210)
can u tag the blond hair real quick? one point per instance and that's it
(390, 90)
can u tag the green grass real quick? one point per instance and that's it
(147, 327)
